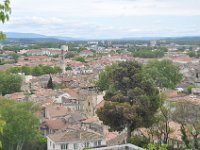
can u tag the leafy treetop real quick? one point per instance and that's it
(5, 11)
(132, 98)
(164, 73)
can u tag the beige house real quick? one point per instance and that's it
(72, 139)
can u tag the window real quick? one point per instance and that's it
(99, 143)
(95, 143)
(87, 144)
(75, 146)
(64, 146)
(197, 75)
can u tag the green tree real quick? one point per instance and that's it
(140, 141)
(40, 143)
(70, 55)
(47, 69)
(15, 57)
(9, 83)
(133, 100)
(152, 147)
(81, 59)
(188, 115)
(161, 129)
(164, 73)
(2, 124)
(14, 70)
(103, 82)
(37, 71)
(192, 54)
(21, 123)
(5, 11)
(68, 68)
(50, 84)
(26, 70)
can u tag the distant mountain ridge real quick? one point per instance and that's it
(17, 35)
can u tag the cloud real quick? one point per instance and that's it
(105, 18)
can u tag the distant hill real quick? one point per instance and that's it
(185, 38)
(163, 38)
(143, 38)
(36, 37)
(32, 40)
(16, 35)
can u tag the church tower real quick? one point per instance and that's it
(64, 50)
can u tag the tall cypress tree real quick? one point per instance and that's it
(50, 83)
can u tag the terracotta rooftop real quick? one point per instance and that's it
(111, 135)
(193, 99)
(54, 124)
(71, 135)
(91, 120)
(71, 92)
(16, 96)
(101, 104)
(57, 110)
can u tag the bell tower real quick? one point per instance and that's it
(64, 50)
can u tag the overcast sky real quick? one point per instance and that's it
(105, 18)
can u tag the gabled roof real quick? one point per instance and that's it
(91, 120)
(57, 110)
(71, 135)
(54, 124)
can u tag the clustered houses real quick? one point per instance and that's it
(40, 52)
(73, 139)
(86, 53)
(68, 118)
(36, 60)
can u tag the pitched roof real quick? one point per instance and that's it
(71, 92)
(91, 120)
(54, 124)
(71, 135)
(101, 104)
(57, 110)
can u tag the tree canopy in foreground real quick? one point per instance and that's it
(21, 124)
(131, 97)
(5, 11)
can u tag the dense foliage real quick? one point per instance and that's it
(2, 124)
(70, 55)
(35, 71)
(81, 59)
(131, 98)
(21, 127)
(5, 11)
(17, 47)
(149, 53)
(194, 54)
(188, 116)
(164, 73)
(9, 83)
(39, 143)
